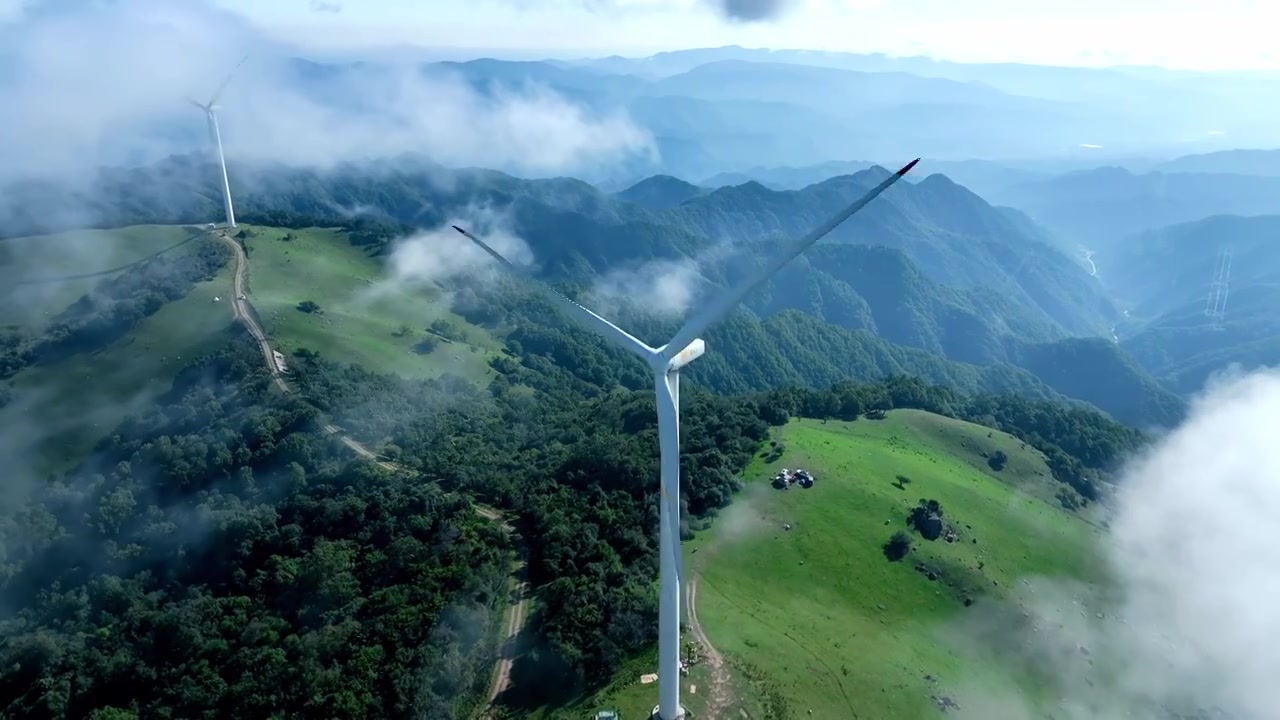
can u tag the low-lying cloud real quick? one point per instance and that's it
(1189, 626)
(423, 260)
(104, 82)
(668, 287)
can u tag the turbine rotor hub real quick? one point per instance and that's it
(691, 352)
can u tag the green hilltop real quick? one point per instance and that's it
(835, 627)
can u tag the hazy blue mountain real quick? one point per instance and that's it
(726, 114)
(983, 177)
(698, 137)
(834, 90)
(1096, 208)
(1231, 162)
(1151, 110)
(661, 192)
(789, 177)
(1019, 78)
(731, 115)
(1167, 276)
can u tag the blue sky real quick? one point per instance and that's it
(1201, 34)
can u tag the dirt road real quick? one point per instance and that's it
(718, 695)
(508, 650)
(519, 602)
(240, 306)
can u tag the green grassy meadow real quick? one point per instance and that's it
(815, 618)
(840, 629)
(73, 403)
(46, 273)
(355, 324)
(69, 405)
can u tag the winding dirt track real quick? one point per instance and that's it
(508, 650)
(516, 613)
(718, 695)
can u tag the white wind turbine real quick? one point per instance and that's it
(216, 138)
(666, 361)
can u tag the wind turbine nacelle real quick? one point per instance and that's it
(691, 352)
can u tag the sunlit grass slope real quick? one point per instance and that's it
(815, 618)
(67, 406)
(839, 629)
(354, 323)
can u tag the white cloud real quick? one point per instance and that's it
(426, 258)
(667, 287)
(1192, 617)
(104, 81)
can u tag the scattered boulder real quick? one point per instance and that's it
(945, 703)
(926, 518)
(929, 527)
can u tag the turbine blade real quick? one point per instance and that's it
(722, 304)
(582, 315)
(198, 104)
(223, 86)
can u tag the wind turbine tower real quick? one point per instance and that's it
(666, 361)
(215, 137)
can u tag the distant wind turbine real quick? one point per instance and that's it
(215, 137)
(684, 347)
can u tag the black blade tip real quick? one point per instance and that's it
(908, 167)
(455, 227)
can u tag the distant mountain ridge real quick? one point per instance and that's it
(720, 110)
(1265, 163)
(1168, 277)
(1099, 207)
(1173, 111)
(661, 192)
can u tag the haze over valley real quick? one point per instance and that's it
(305, 449)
